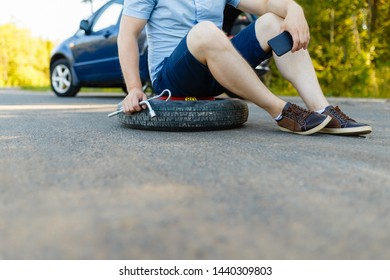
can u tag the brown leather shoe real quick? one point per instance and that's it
(341, 124)
(298, 120)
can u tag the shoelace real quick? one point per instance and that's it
(340, 115)
(298, 113)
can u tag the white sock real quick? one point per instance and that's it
(321, 111)
(279, 117)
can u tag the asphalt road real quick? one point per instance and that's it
(75, 184)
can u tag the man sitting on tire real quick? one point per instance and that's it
(190, 55)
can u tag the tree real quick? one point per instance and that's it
(349, 46)
(24, 60)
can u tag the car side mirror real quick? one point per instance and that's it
(85, 25)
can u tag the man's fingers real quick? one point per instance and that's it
(136, 105)
(131, 103)
(296, 41)
(301, 40)
(128, 108)
(307, 40)
(128, 105)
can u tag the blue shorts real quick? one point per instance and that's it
(184, 75)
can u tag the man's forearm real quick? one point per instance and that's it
(129, 61)
(277, 7)
(282, 7)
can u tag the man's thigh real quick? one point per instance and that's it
(184, 75)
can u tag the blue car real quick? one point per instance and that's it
(90, 57)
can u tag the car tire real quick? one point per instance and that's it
(62, 79)
(202, 115)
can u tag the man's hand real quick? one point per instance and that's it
(131, 103)
(295, 23)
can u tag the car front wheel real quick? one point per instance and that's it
(61, 78)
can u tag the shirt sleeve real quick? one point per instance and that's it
(234, 3)
(141, 9)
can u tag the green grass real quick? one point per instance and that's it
(35, 88)
(84, 89)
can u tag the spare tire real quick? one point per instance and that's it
(198, 115)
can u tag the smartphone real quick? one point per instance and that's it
(282, 43)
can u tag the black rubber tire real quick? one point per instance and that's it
(62, 80)
(202, 115)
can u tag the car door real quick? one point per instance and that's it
(96, 52)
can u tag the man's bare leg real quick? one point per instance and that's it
(295, 67)
(298, 68)
(211, 47)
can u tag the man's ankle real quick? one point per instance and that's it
(276, 111)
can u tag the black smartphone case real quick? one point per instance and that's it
(281, 44)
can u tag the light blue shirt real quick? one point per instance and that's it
(169, 21)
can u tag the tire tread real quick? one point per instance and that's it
(189, 115)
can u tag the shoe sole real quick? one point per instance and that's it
(311, 131)
(351, 131)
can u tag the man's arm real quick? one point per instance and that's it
(130, 28)
(293, 15)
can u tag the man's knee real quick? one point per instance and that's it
(207, 34)
(267, 27)
(269, 21)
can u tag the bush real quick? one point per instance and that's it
(24, 60)
(349, 47)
